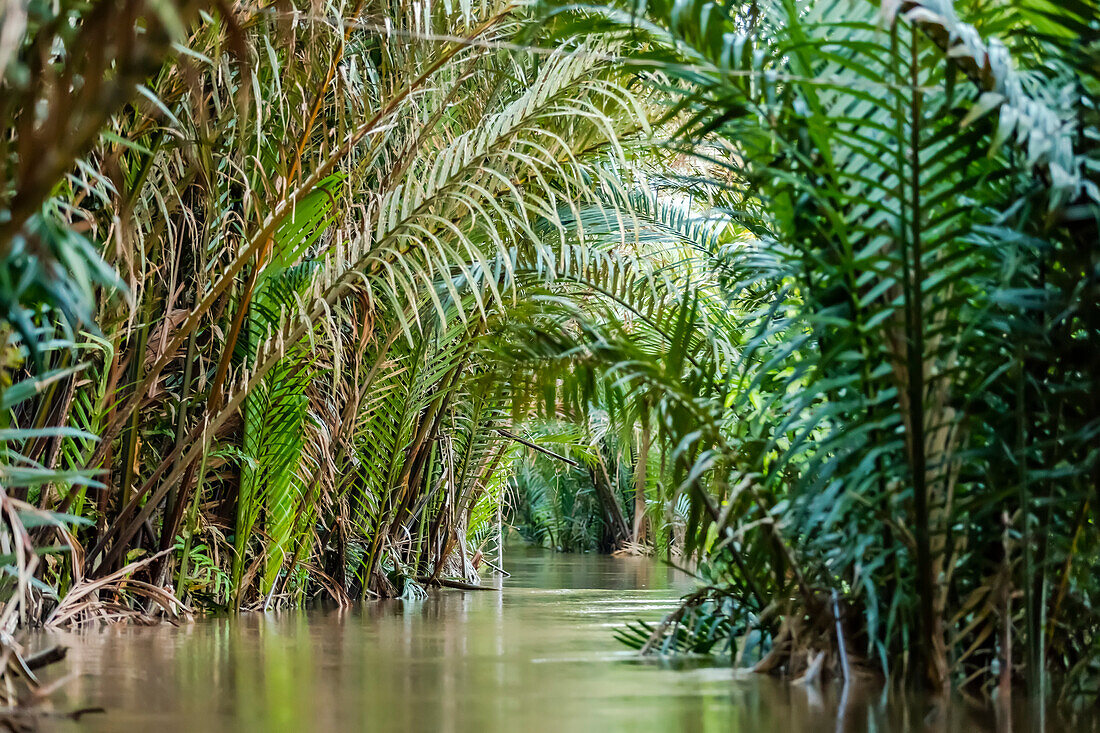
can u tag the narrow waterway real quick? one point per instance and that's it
(537, 656)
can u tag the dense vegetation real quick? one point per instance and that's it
(295, 295)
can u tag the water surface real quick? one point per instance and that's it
(537, 656)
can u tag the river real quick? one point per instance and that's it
(538, 656)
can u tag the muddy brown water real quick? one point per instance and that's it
(537, 656)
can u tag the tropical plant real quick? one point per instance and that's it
(294, 291)
(317, 221)
(877, 398)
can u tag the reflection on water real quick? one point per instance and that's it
(538, 656)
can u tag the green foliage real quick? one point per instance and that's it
(21, 584)
(321, 227)
(828, 323)
(557, 507)
(878, 385)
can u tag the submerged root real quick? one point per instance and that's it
(812, 675)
